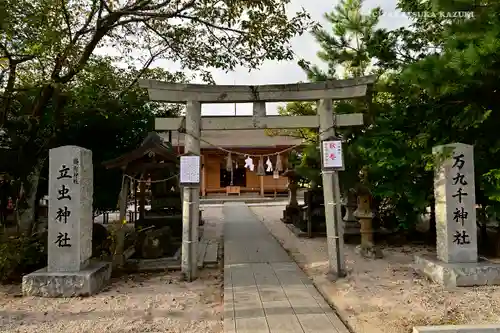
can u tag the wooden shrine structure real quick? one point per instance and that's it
(151, 172)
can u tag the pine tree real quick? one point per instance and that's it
(344, 44)
(344, 51)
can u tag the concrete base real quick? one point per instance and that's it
(458, 329)
(481, 273)
(67, 284)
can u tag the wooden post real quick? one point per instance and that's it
(275, 187)
(142, 198)
(259, 112)
(331, 195)
(135, 202)
(262, 193)
(191, 196)
(204, 177)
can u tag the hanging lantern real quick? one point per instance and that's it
(229, 163)
(260, 169)
(279, 164)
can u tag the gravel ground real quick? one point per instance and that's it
(158, 302)
(386, 295)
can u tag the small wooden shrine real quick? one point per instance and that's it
(150, 171)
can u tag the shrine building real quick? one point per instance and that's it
(218, 178)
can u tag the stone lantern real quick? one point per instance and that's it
(365, 215)
(291, 213)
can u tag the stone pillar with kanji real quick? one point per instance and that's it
(456, 263)
(70, 271)
(454, 192)
(70, 209)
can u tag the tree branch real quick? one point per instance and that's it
(9, 90)
(61, 58)
(141, 72)
(11, 80)
(5, 51)
(150, 27)
(67, 18)
(144, 7)
(104, 5)
(103, 25)
(17, 58)
(163, 4)
(208, 24)
(140, 4)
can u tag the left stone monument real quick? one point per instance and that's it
(69, 272)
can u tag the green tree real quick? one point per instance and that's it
(344, 51)
(110, 116)
(344, 45)
(107, 114)
(437, 85)
(440, 89)
(45, 45)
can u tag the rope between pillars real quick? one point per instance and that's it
(182, 129)
(151, 181)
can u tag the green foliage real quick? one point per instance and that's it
(47, 59)
(107, 115)
(343, 49)
(310, 165)
(442, 91)
(298, 108)
(19, 255)
(438, 84)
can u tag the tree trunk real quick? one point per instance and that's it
(26, 203)
(118, 258)
(431, 235)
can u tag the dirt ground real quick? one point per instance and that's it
(385, 295)
(158, 302)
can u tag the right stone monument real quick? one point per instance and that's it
(457, 263)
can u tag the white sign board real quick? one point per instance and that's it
(190, 170)
(332, 157)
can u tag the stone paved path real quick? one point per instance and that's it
(264, 289)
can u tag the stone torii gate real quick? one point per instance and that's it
(193, 95)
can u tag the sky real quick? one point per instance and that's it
(304, 47)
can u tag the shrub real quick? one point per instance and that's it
(20, 255)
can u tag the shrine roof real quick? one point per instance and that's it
(153, 143)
